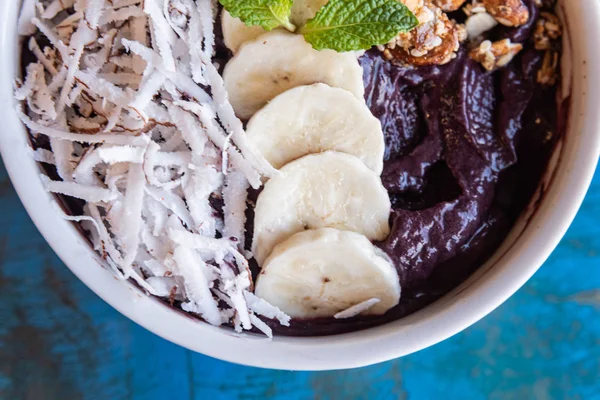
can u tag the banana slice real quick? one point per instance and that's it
(303, 10)
(236, 33)
(316, 118)
(278, 61)
(322, 272)
(333, 190)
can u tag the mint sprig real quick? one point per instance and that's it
(348, 25)
(340, 25)
(268, 14)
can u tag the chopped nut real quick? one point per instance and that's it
(495, 55)
(449, 5)
(479, 23)
(508, 12)
(548, 28)
(547, 74)
(434, 42)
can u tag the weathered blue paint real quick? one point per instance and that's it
(59, 341)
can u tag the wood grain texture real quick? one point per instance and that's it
(58, 340)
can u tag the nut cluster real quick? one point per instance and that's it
(547, 32)
(434, 41)
(547, 29)
(474, 8)
(547, 74)
(449, 5)
(494, 55)
(437, 38)
(508, 12)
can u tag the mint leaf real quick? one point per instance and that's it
(268, 14)
(347, 25)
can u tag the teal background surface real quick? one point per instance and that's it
(58, 340)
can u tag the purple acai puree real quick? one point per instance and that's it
(465, 151)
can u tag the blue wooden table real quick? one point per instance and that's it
(58, 340)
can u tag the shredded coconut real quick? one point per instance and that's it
(72, 189)
(357, 309)
(261, 326)
(263, 308)
(121, 89)
(235, 194)
(25, 25)
(44, 156)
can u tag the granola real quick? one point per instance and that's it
(548, 73)
(434, 42)
(547, 29)
(474, 8)
(494, 55)
(449, 5)
(508, 12)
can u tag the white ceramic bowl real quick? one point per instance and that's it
(520, 256)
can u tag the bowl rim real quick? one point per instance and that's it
(481, 294)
